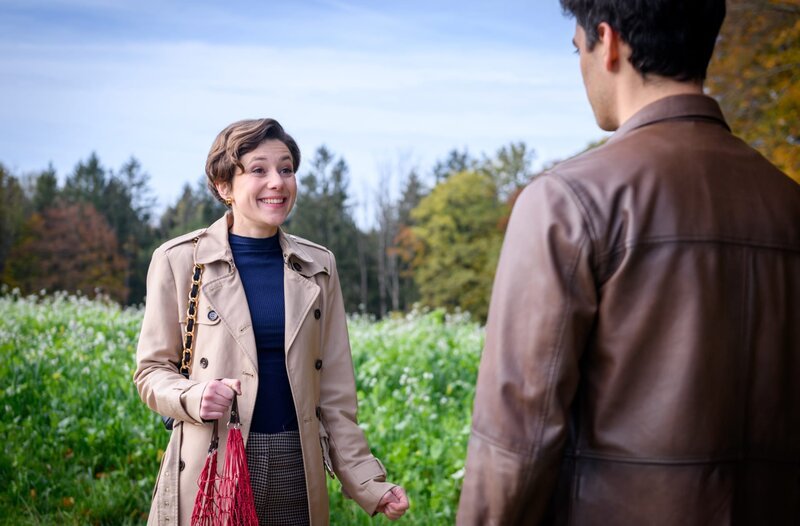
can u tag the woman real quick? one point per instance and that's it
(269, 326)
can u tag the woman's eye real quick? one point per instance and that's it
(257, 170)
(287, 171)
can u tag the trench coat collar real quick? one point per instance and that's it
(300, 290)
(676, 107)
(214, 246)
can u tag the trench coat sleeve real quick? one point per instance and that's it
(363, 477)
(541, 313)
(158, 353)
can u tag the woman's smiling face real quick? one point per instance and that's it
(263, 195)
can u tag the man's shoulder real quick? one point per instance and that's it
(585, 164)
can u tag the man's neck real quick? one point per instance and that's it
(638, 93)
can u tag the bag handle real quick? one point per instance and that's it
(214, 445)
(233, 423)
(191, 318)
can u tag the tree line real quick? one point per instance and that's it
(94, 233)
(435, 243)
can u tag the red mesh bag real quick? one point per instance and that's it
(225, 500)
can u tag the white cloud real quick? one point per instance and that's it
(164, 101)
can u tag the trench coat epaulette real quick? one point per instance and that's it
(185, 238)
(322, 255)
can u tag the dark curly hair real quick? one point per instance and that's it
(668, 38)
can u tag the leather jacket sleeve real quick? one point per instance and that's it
(542, 310)
(363, 477)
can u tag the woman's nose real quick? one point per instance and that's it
(275, 180)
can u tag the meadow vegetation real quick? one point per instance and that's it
(79, 447)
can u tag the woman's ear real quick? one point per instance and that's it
(224, 190)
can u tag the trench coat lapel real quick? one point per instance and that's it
(226, 296)
(225, 293)
(223, 288)
(300, 291)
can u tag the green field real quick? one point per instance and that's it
(79, 447)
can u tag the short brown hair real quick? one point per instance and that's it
(238, 139)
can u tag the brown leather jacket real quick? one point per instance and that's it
(642, 359)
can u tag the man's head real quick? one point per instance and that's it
(668, 38)
(658, 40)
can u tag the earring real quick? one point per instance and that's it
(228, 201)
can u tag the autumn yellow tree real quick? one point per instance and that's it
(755, 75)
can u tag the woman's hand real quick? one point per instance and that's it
(394, 503)
(218, 397)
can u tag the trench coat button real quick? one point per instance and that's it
(319, 413)
(317, 314)
(203, 362)
(181, 465)
(297, 267)
(212, 315)
(318, 365)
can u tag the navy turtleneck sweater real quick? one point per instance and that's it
(260, 265)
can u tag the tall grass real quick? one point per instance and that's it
(79, 447)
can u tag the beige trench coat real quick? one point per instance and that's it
(318, 362)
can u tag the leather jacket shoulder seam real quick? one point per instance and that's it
(575, 193)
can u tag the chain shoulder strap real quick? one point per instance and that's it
(191, 318)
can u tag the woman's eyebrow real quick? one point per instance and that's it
(262, 158)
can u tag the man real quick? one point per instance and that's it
(642, 359)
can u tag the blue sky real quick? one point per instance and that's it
(386, 85)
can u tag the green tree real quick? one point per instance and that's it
(12, 213)
(458, 242)
(511, 168)
(405, 244)
(87, 183)
(129, 212)
(123, 199)
(322, 215)
(45, 190)
(411, 195)
(195, 208)
(454, 163)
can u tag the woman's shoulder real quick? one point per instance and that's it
(185, 241)
(308, 244)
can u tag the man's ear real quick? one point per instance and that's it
(610, 44)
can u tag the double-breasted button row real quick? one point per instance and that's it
(318, 365)
(204, 362)
(319, 413)
(297, 266)
(212, 315)
(317, 314)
